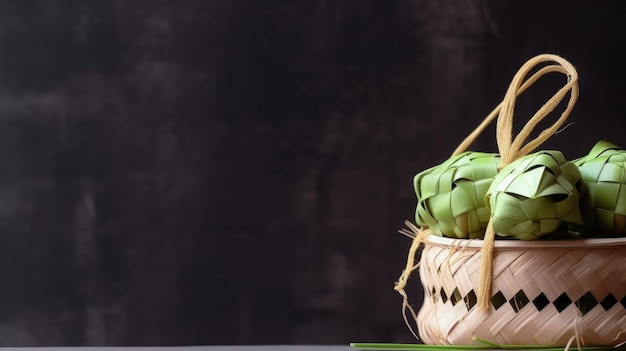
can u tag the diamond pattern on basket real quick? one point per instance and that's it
(541, 301)
(585, 303)
(498, 300)
(608, 302)
(443, 295)
(455, 297)
(470, 300)
(562, 302)
(519, 300)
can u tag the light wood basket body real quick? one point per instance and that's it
(543, 292)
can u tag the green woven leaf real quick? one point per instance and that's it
(603, 190)
(450, 197)
(534, 195)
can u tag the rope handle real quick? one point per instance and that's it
(572, 85)
(513, 148)
(510, 149)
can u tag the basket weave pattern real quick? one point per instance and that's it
(540, 295)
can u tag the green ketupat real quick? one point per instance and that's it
(450, 197)
(534, 195)
(603, 191)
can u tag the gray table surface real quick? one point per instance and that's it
(194, 348)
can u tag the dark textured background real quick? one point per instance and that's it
(235, 171)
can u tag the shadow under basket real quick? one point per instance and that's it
(543, 292)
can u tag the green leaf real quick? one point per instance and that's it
(603, 198)
(534, 195)
(450, 197)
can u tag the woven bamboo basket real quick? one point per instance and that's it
(543, 292)
(518, 292)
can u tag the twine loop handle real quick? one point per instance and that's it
(510, 149)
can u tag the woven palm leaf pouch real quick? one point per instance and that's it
(522, 246)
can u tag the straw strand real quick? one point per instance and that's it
(418, 236)
(465, 144)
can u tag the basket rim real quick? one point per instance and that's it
(436, 240)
